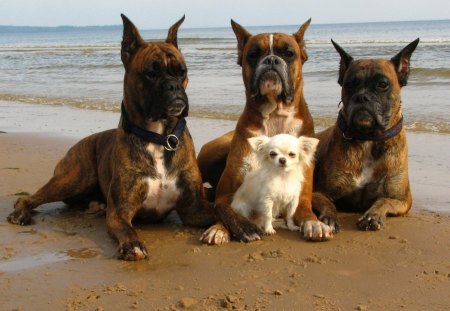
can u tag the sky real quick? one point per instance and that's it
(157, 14)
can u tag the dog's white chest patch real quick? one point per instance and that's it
(162, 190)
(366, 175)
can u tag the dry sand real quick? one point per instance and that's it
(65, 260)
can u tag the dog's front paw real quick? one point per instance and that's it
(132, 251)
(245, 231)
(20, 217)
(22, 212)
(332, 221)
(239, 227)
(269, 231)
(371, 221)
(315, 230)
(216, 235)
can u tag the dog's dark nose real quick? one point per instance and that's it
(271, 60)
(363, 99)
(282, 161)
(172, 86)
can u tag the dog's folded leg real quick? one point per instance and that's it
(374, 218)
(326, 211)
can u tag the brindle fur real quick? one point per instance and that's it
(366, 176)
(116, 166)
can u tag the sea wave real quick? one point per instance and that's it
(326, 40)
(379, 41)
(431, 72)
(82, 103)
(418, 74)
(230, 112)
(220, 43)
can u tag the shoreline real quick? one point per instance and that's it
(403, 266)
(428, 152)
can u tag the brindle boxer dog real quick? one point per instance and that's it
(146, 167)
(272, 73)
(362, 161)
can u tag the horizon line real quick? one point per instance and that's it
(206, 27)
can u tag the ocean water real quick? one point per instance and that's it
(81, 67)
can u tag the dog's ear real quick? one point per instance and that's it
(242, 36)
(257, 143)
(401, 62)
(131, 40)
(172, 35)
(346, 59)
(299, 37)
(308, 146)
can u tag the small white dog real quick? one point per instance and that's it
(272, 189)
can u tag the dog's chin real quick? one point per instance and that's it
(174, 110)
(270, 88)
(270, 84)
(364, 122)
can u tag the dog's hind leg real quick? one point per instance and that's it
(74, 175)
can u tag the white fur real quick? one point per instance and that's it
(367, 170)
(366, 175)
(271, 43)
(272, 189)
(162, 190)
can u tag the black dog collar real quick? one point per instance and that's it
(170, 142)
(381, 136)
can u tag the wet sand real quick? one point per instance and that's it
(66, 260)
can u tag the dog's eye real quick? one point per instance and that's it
(351, 84)
(151, 74)
(273, 154)
(292, 154)
(382, 85)
(288, 54)
(182, 72)
(253, 55)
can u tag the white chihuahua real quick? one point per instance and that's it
(272, 189)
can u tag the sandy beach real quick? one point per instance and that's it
(66, 260)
